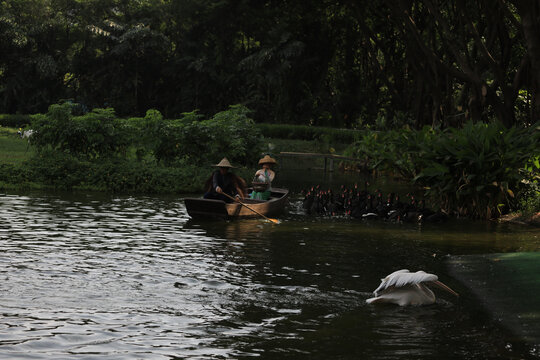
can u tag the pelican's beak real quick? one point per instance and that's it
(444, 287)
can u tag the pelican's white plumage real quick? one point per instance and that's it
(405, 288)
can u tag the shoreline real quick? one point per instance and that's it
(519, 218)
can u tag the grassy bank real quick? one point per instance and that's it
(99, 151)
(23, 168)
(13, 149)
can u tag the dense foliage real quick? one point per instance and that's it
(475, 171)
(99, 134)
(228, 133)
(339, 64)
(100, 151)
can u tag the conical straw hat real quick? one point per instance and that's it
(267, 160)
(224, 163)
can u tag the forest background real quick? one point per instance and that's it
(327, 63)
(443, 72)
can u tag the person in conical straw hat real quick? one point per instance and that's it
(224, 182)
(262, 182)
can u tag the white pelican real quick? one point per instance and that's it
(405, 288)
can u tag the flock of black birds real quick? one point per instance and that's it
(361, 204)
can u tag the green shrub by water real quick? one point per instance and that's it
(100, 134)
(480, 171)
(229, 133)
(99, 151)
(57, 170)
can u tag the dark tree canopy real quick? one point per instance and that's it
(342, 64)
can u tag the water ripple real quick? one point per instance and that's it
(133, 277)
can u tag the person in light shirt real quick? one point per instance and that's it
(262, 181)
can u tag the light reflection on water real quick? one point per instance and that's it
(134, 277)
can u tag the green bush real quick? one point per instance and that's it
(133, 135)
(529, 198)
(121, 176)
(478, 169)
(99, 151)
(13, 174)
(474, 171)
(57, 169)
(62, 171)
(92, 135)
(99, 134)
(229, 133)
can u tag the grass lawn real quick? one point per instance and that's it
(13, 149)
(275, 146)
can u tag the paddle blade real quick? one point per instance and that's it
(275, 221)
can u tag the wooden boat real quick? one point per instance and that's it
(207, 208)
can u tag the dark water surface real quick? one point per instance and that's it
(90, 276)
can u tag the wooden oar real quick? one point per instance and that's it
(275, 221)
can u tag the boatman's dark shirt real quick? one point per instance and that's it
(225, 182)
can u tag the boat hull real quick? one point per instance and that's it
(207, 208)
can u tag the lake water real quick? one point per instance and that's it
(91, 276)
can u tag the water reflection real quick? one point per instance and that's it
(133, 277)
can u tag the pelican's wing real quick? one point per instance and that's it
(385, 282)
(404, 277)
